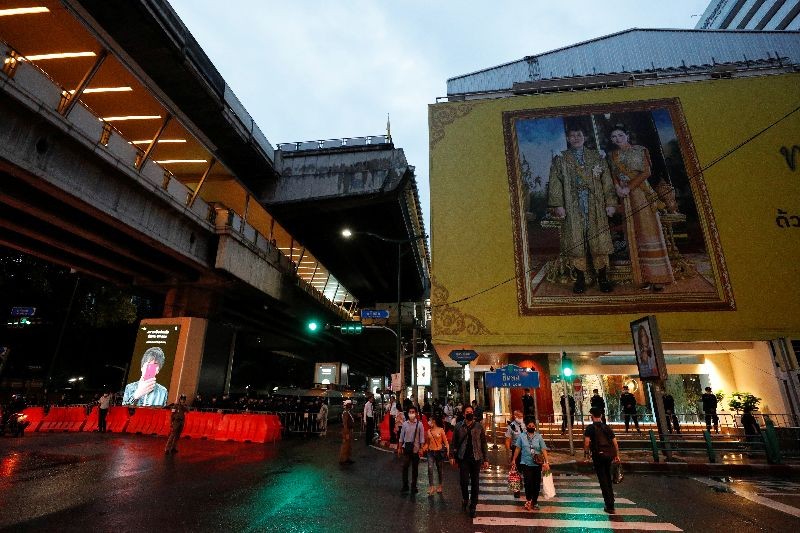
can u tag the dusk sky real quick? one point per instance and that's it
(324, 70)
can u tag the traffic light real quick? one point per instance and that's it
(351, 328)
(566, 366)
(313, 326)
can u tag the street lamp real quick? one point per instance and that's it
(348, 233)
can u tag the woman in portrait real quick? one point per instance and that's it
(630, 167)
(647, 357)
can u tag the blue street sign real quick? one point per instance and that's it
(463, 357)
(512, 376)
(23, 311)
(374, 313)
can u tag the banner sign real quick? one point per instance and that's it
(512, 376)
(463, 357)
(647, 347)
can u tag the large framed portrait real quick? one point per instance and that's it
(610, 212)
(647, 347)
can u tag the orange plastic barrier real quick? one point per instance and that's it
(35, 416)
(63, 419)
(242, 428)
(116, 419)
(201, 425)
(149, 421)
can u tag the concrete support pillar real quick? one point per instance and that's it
(189, 301)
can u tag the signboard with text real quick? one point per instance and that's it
(512, 376)
(463, 357)
(374, 313)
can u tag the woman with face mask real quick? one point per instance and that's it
(437, 449)
(533, 460)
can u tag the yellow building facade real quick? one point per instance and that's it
(684, 196)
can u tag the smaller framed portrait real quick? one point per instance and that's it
(647, 347)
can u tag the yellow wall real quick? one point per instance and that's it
(472, 228)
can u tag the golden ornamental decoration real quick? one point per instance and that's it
(442, 115)
(450, 320)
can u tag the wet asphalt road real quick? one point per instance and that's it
(122, 483)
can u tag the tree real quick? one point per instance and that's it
(743, 400)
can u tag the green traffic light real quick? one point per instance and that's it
(566, 366)
(567, 372)
(313, 326)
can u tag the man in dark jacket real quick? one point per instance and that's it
(597, 402)
(177, 419)
(471, 452)
(628, 403)
(710, 409)
(669, 413)
(600, 440)
(564, 412)
(528, 406)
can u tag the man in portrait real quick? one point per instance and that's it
(581, 193)
(145, 392)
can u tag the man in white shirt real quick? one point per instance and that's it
(392, 417)
(369, 420)
(448, 415)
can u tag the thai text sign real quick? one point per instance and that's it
(512, 376)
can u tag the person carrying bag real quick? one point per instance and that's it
(601, 441)
(532, 450)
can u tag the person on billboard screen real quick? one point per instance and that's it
(145, 392)
(645, 354)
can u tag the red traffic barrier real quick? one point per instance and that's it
(384, 428)
(92, 421)
(63, 419)
(35, 416)
(274, 428)
(242, 428)
(149, 421)
(200, 425)
(116, 419)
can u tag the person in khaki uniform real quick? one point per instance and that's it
(348, 423)
(176, 421)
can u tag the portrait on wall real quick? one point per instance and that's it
(647, 348)
(151, 365)
(610, 211)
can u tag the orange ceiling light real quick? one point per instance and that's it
(131, 117)
(148, 141)
(178, 161)
(58, 55)
(105, 90)
(22, 11)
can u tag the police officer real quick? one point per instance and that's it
(176, 420)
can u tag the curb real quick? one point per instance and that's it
(689, 469)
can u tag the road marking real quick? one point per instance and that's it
(557, 483)
(557, 499)
(586, 524)
(752, 496)
(795, 494)
(555, 509)
(578, 490)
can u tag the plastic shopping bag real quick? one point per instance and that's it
(548, 486)
(616, 473)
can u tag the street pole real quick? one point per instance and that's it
(566, 407)
(400, 362)
(49, 378)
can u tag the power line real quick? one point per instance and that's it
(647, 205)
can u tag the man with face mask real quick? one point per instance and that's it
(412, 437)
(514, 430)
(471, 452)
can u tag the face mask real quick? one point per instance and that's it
(412, 416)
(469, 416)
(531, 430)
(519, 420)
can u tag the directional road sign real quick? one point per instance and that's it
(463, 357)
(374, 313)
(23, 311)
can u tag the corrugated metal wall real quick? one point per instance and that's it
(630, 51)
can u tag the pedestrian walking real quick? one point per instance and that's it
(669, 413)
(102, 411)
(528, 405)
(710, 410)
(472, 452)
(564, 412)
(322, 418)
(369, 420)
(449, 411)
(399, 419)
(597, 401)
(599, 439)
(514, 430)
(176, 419)
(532, 453)
(628, 403)
(438, 450)
(752, 431)
(412, 437)
(348, 423)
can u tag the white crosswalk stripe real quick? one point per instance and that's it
(578, 504)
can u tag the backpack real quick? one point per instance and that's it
(602, 444)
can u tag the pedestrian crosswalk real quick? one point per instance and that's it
(578, 505)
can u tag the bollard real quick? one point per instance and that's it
(654, 446)
(771, 445)
(494, 431)
(712, 457)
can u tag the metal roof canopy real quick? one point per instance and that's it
(365, 189)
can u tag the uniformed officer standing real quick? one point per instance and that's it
(348, 423)
(176, 419)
